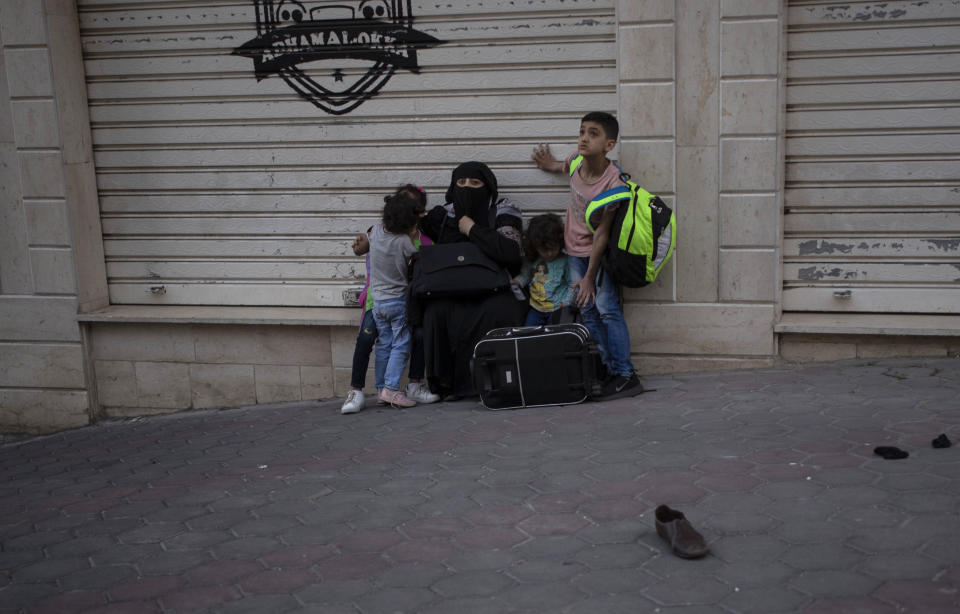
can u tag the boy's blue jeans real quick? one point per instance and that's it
(604, 319)
(393, 342)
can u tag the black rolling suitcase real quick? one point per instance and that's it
(531, 366)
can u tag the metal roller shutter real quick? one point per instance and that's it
(872, 202)
(221, 189)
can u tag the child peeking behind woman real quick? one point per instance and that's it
(544, 269)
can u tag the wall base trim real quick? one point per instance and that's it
(207, 314)
(887, 324)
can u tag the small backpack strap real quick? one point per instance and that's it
(574, 164)
(595, 207)
(624, 175)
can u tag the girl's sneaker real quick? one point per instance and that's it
(420, 393)
(354, 403)
(396, 398)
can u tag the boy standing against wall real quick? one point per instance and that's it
(596, 294)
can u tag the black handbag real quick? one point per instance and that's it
(455, 270)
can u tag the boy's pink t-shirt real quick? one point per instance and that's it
(577, 237)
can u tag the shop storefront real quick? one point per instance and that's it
(183, 180)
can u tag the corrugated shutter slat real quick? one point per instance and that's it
(872, 200)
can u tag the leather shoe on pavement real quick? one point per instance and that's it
(684, 540)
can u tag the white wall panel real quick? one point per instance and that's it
(226, 190)
(872, 199)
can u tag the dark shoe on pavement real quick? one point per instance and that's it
(684, 540)
(621, 386)
(942, 441)
(890, 452)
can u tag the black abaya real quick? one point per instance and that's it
(451, 329)
(453, 326)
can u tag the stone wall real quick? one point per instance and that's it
(700, 99)
(151, 368)
(47, 201)
(822, 347)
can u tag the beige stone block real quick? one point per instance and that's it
(718, 330)
(318, 383)
(815, 349)
(343, 339)
(750, 48)
(749, 8)
(660, 365)
(38, 412)
(646, 110)
(147, 342)
(275, 383)
(644, 10)
(6, 119)
(70, 89)
(219, 385)
(748, 107)
(650, 164)
(22, 23)
(698, 80)
(41, 175)
(59, 8)
(697, 211)
(84, 206)
(28, 73)
(41, 365)
(116, 383)
(889, 347)
(15, 273)
(748, 275)
(163, 384)
(35, 318)
(35, 123)
(748, 221)
(748, 164)
(47, 223)
(646, 53)
(277, 345)
(53, 271)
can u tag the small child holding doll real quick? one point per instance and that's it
(545, 269)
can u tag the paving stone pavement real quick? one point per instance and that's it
(450, 508)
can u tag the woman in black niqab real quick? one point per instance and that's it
(470, 201)
(453, 326)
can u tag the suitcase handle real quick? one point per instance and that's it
(532, 330)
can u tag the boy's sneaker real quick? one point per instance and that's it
(396, 398)
(621, 386)
(354, 403)
(420, 393)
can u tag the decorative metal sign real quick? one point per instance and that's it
(373, 37)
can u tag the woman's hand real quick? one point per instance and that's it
(465, 224)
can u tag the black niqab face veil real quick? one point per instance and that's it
(475, 203)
